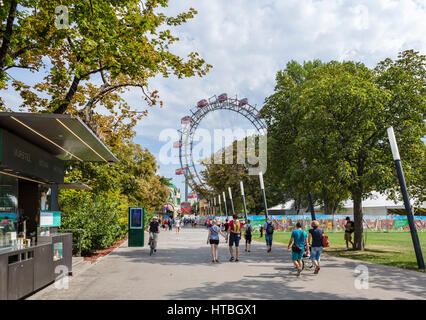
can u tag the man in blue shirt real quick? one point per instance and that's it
(300, 239)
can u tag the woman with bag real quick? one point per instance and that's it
(316, 235)
(213, 239)
(300, 239)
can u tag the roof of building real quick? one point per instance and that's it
(63, 136)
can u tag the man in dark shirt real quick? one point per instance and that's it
(349, 229)
(154, 230)
(226, 226)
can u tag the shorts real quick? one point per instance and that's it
(348, 236)
(268, 239)
(316, 253)
(297, 255)
(234, 237)
(248, 238)
(214, 241)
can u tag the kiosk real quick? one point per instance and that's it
(33, 148)
(136, 227)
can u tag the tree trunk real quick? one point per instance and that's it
(358, 217)
(8, 33)
(71, 92)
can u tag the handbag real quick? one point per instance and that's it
(295, 248)
(324, 241)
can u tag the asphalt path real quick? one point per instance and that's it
(182, 269)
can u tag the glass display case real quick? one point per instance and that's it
(8, 210)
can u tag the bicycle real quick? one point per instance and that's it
(152, 243)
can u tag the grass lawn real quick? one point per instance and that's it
(392, 249)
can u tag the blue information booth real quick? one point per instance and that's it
(136, 227)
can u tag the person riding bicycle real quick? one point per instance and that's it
(154, 230)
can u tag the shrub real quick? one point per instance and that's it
(103, 216)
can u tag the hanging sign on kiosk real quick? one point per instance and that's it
(50, 219)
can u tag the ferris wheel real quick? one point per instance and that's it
(191, 122)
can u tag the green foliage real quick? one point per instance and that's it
(221, 176)
(103, 216)
(327, 129)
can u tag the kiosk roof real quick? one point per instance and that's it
(63, 136)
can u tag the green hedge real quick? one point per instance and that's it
(102, 216)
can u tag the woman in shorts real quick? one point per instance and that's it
(213, 239)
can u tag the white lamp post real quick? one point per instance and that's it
(232, 202)
(262, 186)
(244, 200)
(410, 217)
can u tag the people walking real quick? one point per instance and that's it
(261, 231)
(178, 224)
(166, 226)
(315, 234)
(170, 223)
(226, 226)
(269, 232)
(248, 230)
(234, 236)
(213, 239)
(349, 229)
(154, 231)
(298, 241)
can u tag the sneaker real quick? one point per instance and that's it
(246, 250)
(249, 251)
(316, 270)
(155, 250)
(298, 272)
(346, 249)
(217, 261)
(236, 260)
(232, 259)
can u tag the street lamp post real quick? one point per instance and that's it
(244, 200)
(220, 206)
(214, 199)
(224, 204)
(410, 217)
(262, 186)
(232, 202)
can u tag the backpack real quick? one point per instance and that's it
(269, 228)
(249, 229)
(236, 226)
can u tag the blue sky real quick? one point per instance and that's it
(247, 42)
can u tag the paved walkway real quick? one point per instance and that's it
(182, 269)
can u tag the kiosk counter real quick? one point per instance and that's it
(33, 149)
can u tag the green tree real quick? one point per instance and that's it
(219, 177)
(289, 175)
(336, 119)
(119, 44)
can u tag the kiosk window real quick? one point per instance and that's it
(8, 209)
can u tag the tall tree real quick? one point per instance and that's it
(93, 52)
(348, 109)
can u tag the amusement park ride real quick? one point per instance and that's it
(190, 123)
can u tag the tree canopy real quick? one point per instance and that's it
(327, 129)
